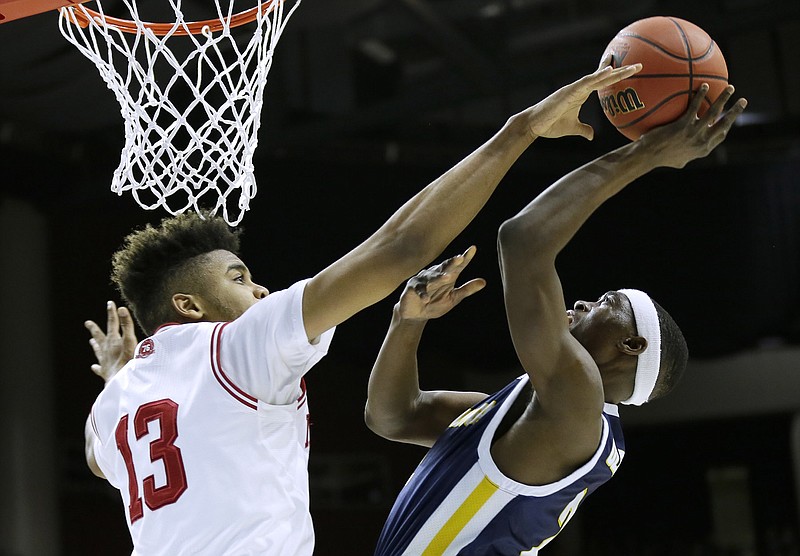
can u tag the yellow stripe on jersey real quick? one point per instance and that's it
(461, 517)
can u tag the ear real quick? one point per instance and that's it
(188, 307)
(633, 345)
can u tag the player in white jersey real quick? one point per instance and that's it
(505, 473)
(205, 432)
(223, 407)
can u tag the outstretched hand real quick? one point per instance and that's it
(114, 347)
(558, 114)
(432, 293)
(689, 137)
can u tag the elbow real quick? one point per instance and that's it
(524, 245)
(91, 462)
(514, 237)
(382, 426)
(376, 426)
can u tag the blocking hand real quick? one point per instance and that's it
(558, 114)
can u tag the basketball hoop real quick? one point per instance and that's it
(192, 108)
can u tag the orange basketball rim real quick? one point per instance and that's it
(18, 9)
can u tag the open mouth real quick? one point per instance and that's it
(570, 316)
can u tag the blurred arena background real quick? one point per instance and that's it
(367, 102)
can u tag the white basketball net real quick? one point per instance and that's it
(191, 118)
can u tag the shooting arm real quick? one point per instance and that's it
(564, 375)
(529, 243)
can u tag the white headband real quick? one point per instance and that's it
(649, 361)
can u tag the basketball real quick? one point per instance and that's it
(677, 57)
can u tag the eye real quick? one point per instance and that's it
(239, 278)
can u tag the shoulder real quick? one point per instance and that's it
(537, 447)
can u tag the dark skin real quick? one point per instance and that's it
(412, 237)
(576, 362)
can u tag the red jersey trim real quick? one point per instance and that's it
(222, 378)
(94, 425)
(301, 400)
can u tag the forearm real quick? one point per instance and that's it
(90, 439)
(393, 389)
(550, 221)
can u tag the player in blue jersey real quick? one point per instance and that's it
(506, 472)
(222, 370)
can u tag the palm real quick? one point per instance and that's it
(438, 301)
(433, 292)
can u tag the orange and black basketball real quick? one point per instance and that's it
(677, 57)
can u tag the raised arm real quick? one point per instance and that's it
(421, 229)
(113, 349)
(569, 392)
(396, 407)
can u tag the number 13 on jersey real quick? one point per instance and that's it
(162, 449)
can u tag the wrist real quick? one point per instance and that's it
(642, 156)
(400, 319)
(520, 125)
(651, 151)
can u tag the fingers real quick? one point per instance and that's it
(608, 76)
(459, 262)
(718, 106)
(433, 280)
(96, 349)
(112, 324)
(128, 331)
(697, 100)
(97, 333)
(723, 125)
(718, 125)
(608, 57)
(469, 288)
(585, 130)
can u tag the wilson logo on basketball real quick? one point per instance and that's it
(146, 349)
(622, 102)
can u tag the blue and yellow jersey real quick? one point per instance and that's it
(458, 502)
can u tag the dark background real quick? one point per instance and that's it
(347, 136)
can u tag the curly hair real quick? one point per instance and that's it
(154, 263)
(674, 354)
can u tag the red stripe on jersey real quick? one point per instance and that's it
(302, 398)
(164, 326)
(219, 366)
(94, 425)
(221, 377)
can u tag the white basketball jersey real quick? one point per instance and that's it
(206, 434)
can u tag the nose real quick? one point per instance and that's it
(260, 292)
(583, 306)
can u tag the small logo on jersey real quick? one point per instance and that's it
(614, 458)
(473, 415)
(146, 349)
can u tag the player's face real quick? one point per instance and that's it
(599, 325)
(229, 289)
